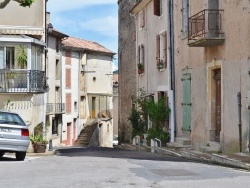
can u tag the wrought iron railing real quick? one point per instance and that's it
(18, 81)
(55, 108)
(205, 24)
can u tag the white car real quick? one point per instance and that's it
(14, 135)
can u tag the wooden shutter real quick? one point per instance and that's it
(186, 104)
(157, 48)
(164, 41)
(68, 78)
(68, 103)
(157, 7)
(139, 54)
(68, 57)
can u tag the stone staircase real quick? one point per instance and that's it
(85, 135)
(180, 142)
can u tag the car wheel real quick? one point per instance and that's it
(1, 153)
(20, 156)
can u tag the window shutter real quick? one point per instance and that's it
(68, 103)
(157, 48)
(165, 48)
(68, 78)
(157, 9)
(84, 59)
(68, 57)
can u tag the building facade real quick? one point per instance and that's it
(22, 61)
(87, 85)
(212, 72)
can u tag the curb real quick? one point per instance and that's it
(47, 153)
(219, 159)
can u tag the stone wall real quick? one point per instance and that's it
(127, 67)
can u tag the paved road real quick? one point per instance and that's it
(104, 168)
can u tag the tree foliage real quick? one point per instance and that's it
(23, 3)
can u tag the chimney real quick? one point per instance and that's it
(48, 17)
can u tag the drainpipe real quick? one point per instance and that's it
(240, 122)
(172, 70)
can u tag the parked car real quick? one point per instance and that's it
(14, 135)
(115, 141)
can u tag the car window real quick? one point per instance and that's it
(9, 118)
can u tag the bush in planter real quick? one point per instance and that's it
(138, 124)
(157, 132)
(38, 142)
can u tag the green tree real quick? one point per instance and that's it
(23, 3)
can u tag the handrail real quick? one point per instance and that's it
(137, 142)
(155, 141)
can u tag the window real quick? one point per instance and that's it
(58, 71)
(55, 126)
(36, 58)
(75, 106)
(185, 15)
(141, 54)
(14, 57)
(158, 7)
(161, 50)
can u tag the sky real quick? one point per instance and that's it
(94, 20)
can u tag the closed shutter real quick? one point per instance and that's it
(186, 104)
(68, 78)
(68, 57)
(68, 103)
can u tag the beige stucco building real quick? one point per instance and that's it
(153, 52)
(212, 67)
(22, 61)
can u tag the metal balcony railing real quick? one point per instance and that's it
(22, 81)
(55, 108)
(206, 28)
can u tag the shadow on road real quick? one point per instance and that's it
(115, 153)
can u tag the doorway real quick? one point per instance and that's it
(217, 109)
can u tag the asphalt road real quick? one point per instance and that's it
(107, 167)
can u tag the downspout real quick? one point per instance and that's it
(172, 70)
(61, 94)
(45, 67)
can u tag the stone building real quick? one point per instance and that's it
(127, 67)
(212, 68)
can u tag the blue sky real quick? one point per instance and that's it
(94, 20)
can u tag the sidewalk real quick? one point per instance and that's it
(236, 160)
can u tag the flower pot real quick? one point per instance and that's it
(39, 147)
(140, 71)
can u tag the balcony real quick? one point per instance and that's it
(22, 81)
(205, 29)
(55, 108)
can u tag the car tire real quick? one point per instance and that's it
(20, 156)
(2, 153)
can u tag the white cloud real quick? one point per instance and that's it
(105, 25)
(63, 5)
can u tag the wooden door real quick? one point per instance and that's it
(186, 104)
(217, 78)
(93, 108)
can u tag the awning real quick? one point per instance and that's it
(21, 30)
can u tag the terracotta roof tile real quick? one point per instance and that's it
(85, 45)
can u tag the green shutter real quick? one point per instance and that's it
(186, 103)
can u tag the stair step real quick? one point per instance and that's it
(183, 141)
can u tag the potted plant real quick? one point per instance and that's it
(160, 64)
(38, 142)
(140, 68)
(22, 57)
